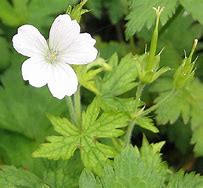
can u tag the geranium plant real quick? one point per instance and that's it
(81, 112)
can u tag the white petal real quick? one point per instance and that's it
(29, 41)
(62, 33)
(63, 82)
(36, 71)
(81, 51)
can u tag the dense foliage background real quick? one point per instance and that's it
(121, 26)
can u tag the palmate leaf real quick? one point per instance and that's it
(23, 108)
(186, 103)
(12, 177)
(132, 169)
(93, 153)
(142, 14)
(142, 168)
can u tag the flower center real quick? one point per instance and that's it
(52, 56)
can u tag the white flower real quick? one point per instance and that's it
(48, 62)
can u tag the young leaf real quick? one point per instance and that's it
(142, 14)
(93, 153)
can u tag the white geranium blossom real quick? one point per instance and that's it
(49, 61)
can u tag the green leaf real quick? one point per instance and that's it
(116, 9)
(58, 148)
(107, 49)
(194, 8)
(122, 78)
(180, 135)
(23, 108)
(187, 103)
(142, 14)
(24, 11)
(175, 31)
(95, 7)
(132, 168)
(60, 174)
(147, 123)
(87, 180)
(93, 153)
(12, 177)
(13, 15)
(12, 142)
(180, 180)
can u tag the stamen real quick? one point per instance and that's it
(52, 56)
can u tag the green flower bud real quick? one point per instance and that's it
(77, 11)
(185, 73)
(148, 64)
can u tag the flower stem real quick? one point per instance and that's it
(69, 102)
(77, 105)
(127, 140)
(154, 107)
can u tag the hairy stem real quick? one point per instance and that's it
(139, 91)
(154, 107)
(69, 103)
(77, 105)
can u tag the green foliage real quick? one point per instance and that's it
(194, 9)
(107, 49)
(21, 106)
(23, 11)
(10, 143)
(186, 103)
(142, 14)
(116, 8)
(122, 78)
(179, 180)
(117, 82)
(139, 169)
(4, 53)
(60, 174)
(132, 168)
(53, 174)
(180, 135)
(94, 154)
(125, 83)
(14, 178)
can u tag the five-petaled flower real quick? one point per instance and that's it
(49, 61)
